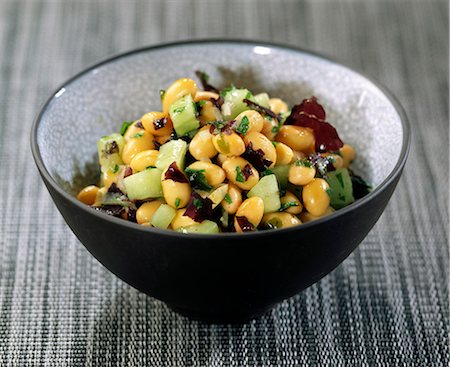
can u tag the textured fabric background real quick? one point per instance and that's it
(386, 305)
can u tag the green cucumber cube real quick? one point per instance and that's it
(207, 226)
(183, 115)
(172, 151)
(110, 150)
(262, 99)
(267, 190)
(341, 189)
(144, 185)
(163, 216)
(234, 103)
(282, 174)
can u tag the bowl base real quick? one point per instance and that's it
(220, 318)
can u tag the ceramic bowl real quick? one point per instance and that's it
(226, 277)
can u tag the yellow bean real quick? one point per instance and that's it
(99, 197)
(315, 197)
(252, 209)
(308, 217)
(259, 141)
(230, 145)
(255, 121)
(145, 212)
(301, 175)
(203, 95)
(88, 194)
(157, 123)
(201, 145)
(132, 130)
(143, 160)
(181, 220)
(162, 139)
(234, 199)
(177, 90)
(284, 154)
(176, 194)
(280, 220)
(278, 106)
(209, 112)
(270, 128)
(289, 197)
(234, 168)
(348, 154)
(213, 173)
(220, 159)
(137, 143)
(297, 138)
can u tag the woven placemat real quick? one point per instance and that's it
(386, 305)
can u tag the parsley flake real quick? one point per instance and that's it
(304, 163)
(197, 179)
(177, 202)
(243, 126)
(197, 203)
(116, 168)
(138, 135)
(228, 199)
(162, 93)
(124, 127)
(239, 175)
(288, 205)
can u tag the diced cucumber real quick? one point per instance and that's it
(282, 173)
(341, 189)
(110, 151)
(206, 226)
(172, 151)
(144, 185)
(183, 116)
(163, 216)
(267, 190)
(233, 102)
(262, 99)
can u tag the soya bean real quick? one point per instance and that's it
(209, 113)
(232, 202)
(176, 194)
(348, 154)
(137, 143)
(177, 90)
(88, 194)
(296, 137)
(181, 220)
(241, 173)
(213, 173)
(202, 95)
(145, 211)
(157, 123)
(315, 197)
(259, 141)
(255, 121)
(143, 160)
(280, 220)
(290, 198)
(201, 145)
(301, 175)
(229, 144)
(284, 154)
(252, 209)
(270, 128)
(278, 106)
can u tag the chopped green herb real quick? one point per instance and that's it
(178, 110)
(201, 103)
(224, 91)
(274, 143)
(177, 202)
(150, 167)
(239, 175)
(288, 205)
(304, 163)
(204, 76)
(116, 168)
(138, 135)
(228, 199)
(124, 127)
(249, 95)
(162, 92)
(198, 203)
(243, 126)
(268, 171)
(197, 179)
(275, 129)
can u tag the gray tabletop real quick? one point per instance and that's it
(386, 305)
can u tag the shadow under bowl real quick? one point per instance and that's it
(226, 277)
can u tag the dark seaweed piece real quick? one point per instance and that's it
(156, 144)
(256, 158)
(360, 187)
(139, 125)
(174, 173)
(204, 79)
(128, 172)
(114, 189)
(113, 210)
(132, 215)
(257, 107)
(225, 127)
(110, 148)
(160, 123)
(217, 102)
(198, 208)
(247, 171)
(309, 113)
(245, 224)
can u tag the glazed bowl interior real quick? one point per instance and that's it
(97, 101)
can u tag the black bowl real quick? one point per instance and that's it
(225, 277)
